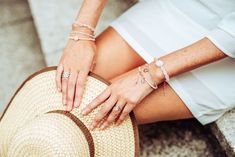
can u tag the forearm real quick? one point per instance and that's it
(90, 11)
(188, 58)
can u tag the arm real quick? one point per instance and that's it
(188, 58)
(78, 56)
(126, 89)
(90, 12)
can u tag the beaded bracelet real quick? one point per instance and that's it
(82, 33)
(159, 63)
(85, 25)
(76, 38)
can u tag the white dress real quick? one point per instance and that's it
(158, 27)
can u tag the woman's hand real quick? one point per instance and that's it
(119, 99)
(77, 59)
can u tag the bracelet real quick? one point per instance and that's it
(154, 86)
(76, 38)
(159, 63)
(85, 25)
(79, 32)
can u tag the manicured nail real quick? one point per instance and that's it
(91, 127)
(117, 123)
(69, 108)
(99, 125)
(84, 112)
(103, 126)
(76, 105)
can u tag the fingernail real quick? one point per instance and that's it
(76, 105)
(58, 89)
(117, 123)
(83, 112)
(103, 127)
(69, 108)
(91, 127)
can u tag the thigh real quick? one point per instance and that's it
(114, 56)
(161, 105)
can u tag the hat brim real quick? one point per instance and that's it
(3, 128)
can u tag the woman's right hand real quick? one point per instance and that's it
(78, 59)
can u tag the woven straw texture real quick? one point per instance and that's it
(25, 129)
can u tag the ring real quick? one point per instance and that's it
(66, 74)
(117, 107)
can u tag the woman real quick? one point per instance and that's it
(195, 41)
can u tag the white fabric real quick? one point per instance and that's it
(158, 27)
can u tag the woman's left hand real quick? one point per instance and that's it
(118, 99)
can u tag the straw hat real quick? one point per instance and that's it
(36, 124)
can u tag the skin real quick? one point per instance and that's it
(125, 90)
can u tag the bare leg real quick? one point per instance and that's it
(114, 58)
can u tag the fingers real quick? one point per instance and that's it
(64, 87)
(80, 86)
(71, 90)
(106, 108)
(97, 101)
(59, 72)
(114, 114)
(127, 109)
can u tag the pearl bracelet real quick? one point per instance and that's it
(76, 38)
(79, 32)
(159, 63)
(85, 25)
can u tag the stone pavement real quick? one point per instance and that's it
(20, 52)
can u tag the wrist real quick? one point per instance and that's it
(83, 28)
(156, 73)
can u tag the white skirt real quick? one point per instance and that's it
(156, 28)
